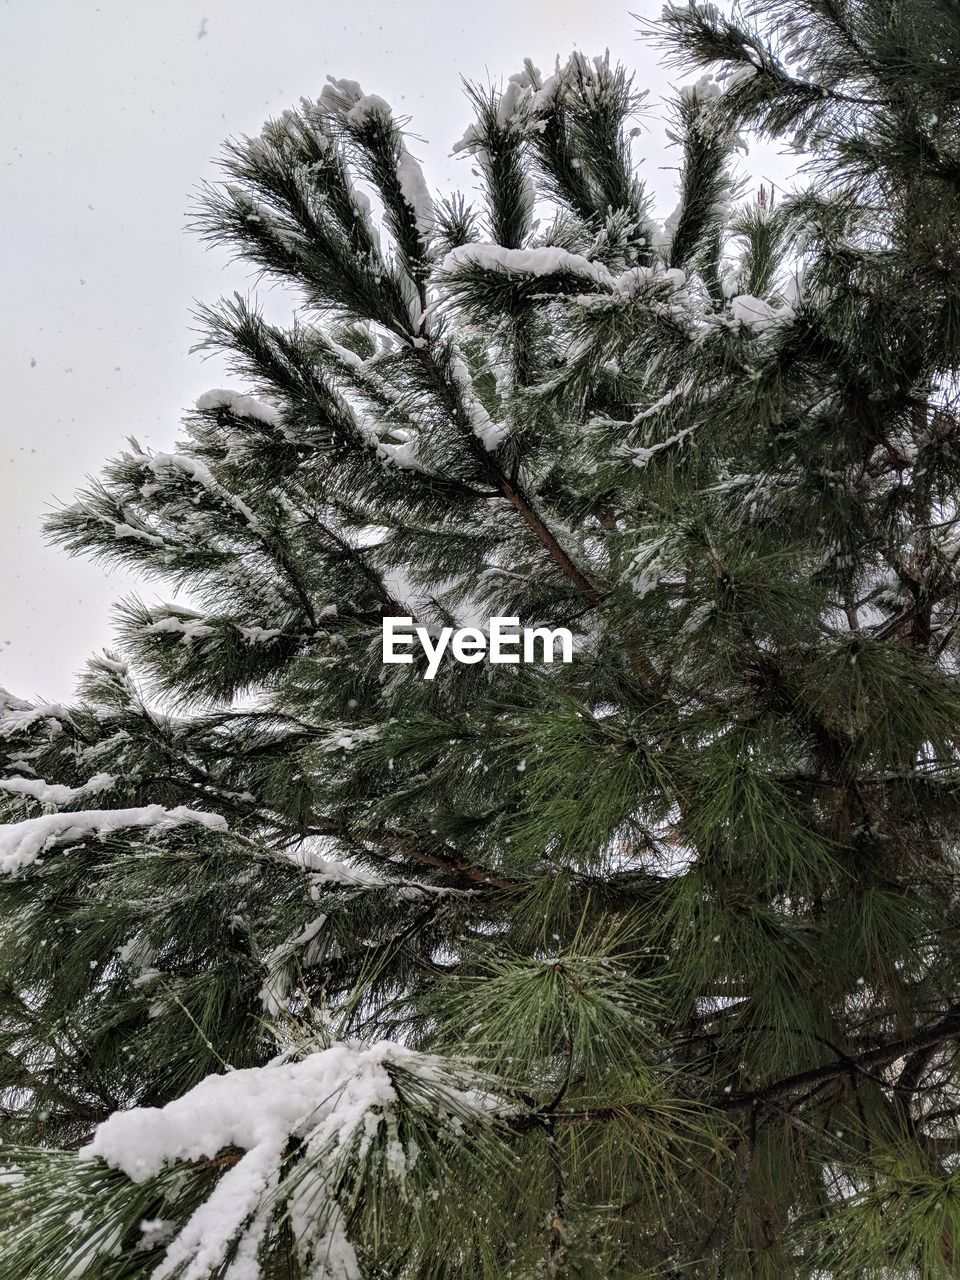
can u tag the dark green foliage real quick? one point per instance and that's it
(670, 936)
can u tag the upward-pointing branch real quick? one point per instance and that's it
(514, 494)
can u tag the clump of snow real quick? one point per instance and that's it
(404, 455)
(348, 738)
(415, 191)
(519, 90)
(471, 142)
(9, 703)
(124, 530)
(637, 280)
(110, 662)
(22, 843)
(324, 871)
(335, 1101)
(346, 99)
(756, 314)
(56, 794)
(343, 354)
(546, 261)
(367, 105)
(188, 628)
(325, 1097)
(243, 406)
(17, 715)
(703, 90)
(200, 1247)
(580, 76)
(259, 635)
(154, 1231)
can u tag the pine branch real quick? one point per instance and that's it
(410, 846)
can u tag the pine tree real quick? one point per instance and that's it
(642, 965)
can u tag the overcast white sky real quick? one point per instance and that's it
(110, 115)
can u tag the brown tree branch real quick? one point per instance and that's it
(409, 845)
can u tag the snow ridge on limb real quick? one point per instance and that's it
(326, 1097)
(546, 261)
(55, 794)
(22, 843)
(244, 405)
